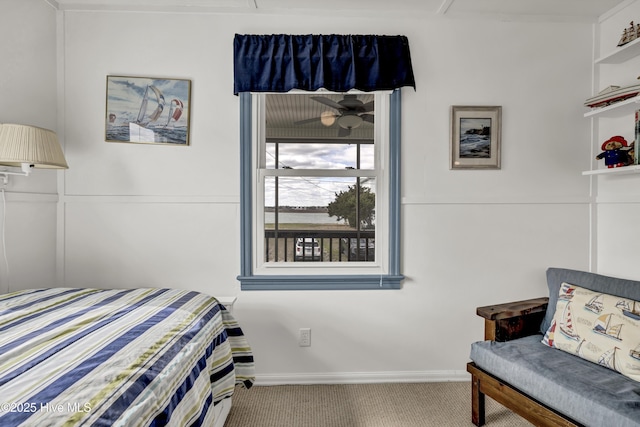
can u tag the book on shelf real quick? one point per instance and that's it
(636, 145)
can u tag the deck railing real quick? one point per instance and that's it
(319, 245)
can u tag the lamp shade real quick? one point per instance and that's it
(22, 144)
(327, 118)
(349, 121)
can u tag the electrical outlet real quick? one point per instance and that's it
(305, 337)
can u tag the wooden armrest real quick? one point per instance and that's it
(513, 309)
(512, 320)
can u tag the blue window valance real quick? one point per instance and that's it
(282, 62)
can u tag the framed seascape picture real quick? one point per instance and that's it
(148, 110)
(475, 137)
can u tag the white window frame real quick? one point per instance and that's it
(261, 172)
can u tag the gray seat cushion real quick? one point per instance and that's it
(586, 392)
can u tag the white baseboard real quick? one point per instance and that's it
(362, 377)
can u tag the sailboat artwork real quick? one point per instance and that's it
(629, 308)
(139, 131)
(566, 324)
(566, 291)
(595, 304)
(579, 351)
(598, 327)
(604, 327)
(608, 359)
(635, 352)
(550, 336)
(175, 111)
(138, 111)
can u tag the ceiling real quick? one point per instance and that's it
(552, 10)
(286, 111)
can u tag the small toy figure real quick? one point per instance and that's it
(615, 152)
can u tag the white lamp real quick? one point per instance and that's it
(29, 147)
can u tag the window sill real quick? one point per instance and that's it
(319, 282)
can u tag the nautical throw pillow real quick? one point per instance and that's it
(601, 328)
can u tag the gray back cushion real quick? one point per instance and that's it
(595, 282)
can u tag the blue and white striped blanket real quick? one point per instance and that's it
(137, 357)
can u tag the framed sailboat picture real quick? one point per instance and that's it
(475, 137)
(147, 110)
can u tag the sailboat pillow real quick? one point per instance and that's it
(601, 328)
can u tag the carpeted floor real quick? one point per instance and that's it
(363, 405)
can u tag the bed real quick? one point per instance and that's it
(118, 357)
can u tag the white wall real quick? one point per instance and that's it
(139, 215)
(618, 197)
(28, 94)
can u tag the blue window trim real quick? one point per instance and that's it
(249, 281)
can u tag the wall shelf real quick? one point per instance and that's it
(618, 109)
(621, 54)
(625, 170)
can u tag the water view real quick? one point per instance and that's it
(301, 218)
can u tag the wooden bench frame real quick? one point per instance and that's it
(505, 322)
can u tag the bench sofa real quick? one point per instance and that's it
(545, 385)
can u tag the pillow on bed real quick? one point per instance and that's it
(598, 327)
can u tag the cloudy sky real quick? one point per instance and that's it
(314, 191)
(294, 120)
(471, 123)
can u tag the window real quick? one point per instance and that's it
(320, 190)
(317, 175)
(350, 146)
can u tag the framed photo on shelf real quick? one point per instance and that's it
(475, 137)
(147, 110)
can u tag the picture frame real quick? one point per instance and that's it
(475, 137)
(148, 110)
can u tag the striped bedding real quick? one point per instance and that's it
(120, 357)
